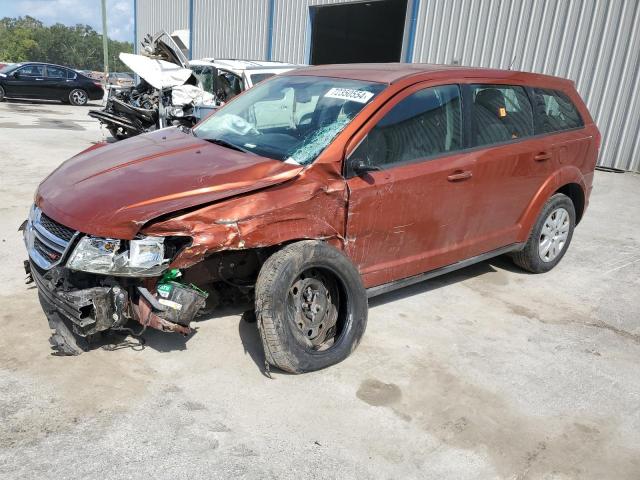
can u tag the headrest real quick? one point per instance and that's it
(493, 100)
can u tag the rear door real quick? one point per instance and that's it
(55, 85)
(511, 163)
(409, 212)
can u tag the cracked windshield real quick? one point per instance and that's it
(292, 119)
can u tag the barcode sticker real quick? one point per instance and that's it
(349, 94)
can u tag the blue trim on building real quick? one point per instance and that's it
(135, 26)
(190, 29)
(272, 6)
(413, 26)
(307, 43)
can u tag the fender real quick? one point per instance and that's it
(311, 206)
(560, 178)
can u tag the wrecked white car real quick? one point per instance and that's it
(173, 91)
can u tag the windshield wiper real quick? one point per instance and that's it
(224, 143)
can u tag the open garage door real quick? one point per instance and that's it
(357, 32)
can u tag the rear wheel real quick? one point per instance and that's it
(311, 307)
(78, 97)
(550, 237)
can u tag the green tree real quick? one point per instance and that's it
(78, 46)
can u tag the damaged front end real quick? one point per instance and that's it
(87, 285)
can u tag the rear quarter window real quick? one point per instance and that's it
(555, 111)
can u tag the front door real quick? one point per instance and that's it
(410, 187)
(27, 81)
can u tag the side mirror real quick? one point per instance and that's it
(15, 74)
(360, 167)
(358, 162)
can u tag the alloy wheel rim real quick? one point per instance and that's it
(554, 235)
(79, 97)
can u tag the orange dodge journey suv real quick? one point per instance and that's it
(308, 194)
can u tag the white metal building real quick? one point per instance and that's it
(596, 43)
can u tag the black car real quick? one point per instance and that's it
(48, 82)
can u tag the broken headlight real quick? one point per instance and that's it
(142, 257)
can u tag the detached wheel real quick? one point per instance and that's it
(311, 307)
(550, 237)
(1, 93)
(78, 97)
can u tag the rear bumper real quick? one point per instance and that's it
(96, 94)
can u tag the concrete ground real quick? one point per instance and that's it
(484, 373)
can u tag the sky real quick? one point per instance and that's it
(70, 12)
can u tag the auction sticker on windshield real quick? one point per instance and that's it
(349, 94)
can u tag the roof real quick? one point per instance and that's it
(241, 64)
(393, 72)
(41, 63)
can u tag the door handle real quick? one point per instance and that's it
(39, 79)
(542, 156)
(460, 175)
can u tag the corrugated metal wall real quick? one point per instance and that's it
(596, 43)
(155, 15)
(230, 29)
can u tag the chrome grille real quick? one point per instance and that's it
(47, 241)
(53, 227)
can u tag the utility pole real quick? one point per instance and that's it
(105, 41)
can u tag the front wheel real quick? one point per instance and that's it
(1, 93)
(78, 97)
(311, 307)
(550, 237)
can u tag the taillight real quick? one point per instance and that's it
(98, 84)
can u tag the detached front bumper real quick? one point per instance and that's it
(89, 310)
(96, 309)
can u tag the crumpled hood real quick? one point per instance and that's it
(112, 190)
(158, 73)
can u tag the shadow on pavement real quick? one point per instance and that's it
(434, 283)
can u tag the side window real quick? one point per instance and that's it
(32, 71)
(204, 75)
(71, 74)
(500, 113)
(426, 123)
(230, 85)
(555, 111)
(54, 72)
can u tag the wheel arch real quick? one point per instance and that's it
(569, 181)
(575, 192)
